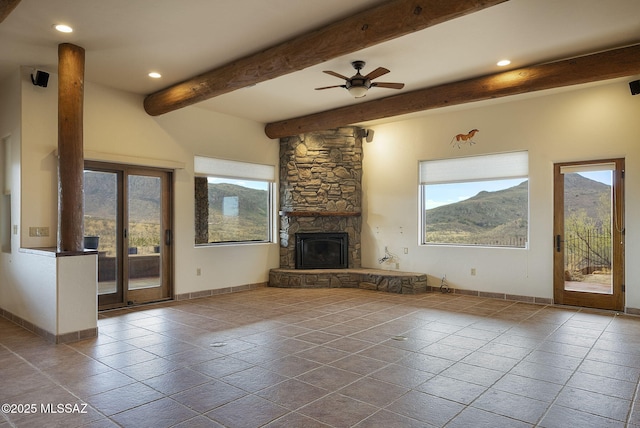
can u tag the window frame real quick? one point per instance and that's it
(209, 167)
(470, 170)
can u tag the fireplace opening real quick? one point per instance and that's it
(322, 250)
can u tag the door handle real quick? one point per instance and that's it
(167, 237)
(558, 241)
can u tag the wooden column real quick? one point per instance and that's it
(70, 152)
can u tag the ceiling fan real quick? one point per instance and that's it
(358, 85)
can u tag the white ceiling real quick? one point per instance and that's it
(126, 39)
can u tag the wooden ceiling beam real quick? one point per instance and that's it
(381, 23)
(6, 6)
(590, 68)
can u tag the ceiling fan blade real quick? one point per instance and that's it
(388, 85)
(329, 87)
(333, 73)
(380, 71)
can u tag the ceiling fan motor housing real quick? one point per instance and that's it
(357, 81)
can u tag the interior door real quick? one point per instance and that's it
(589, 234)
(129, 211)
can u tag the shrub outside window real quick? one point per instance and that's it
(234, 201)
(476, 201)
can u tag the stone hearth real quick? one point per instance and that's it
(369, 279)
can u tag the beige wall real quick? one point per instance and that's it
(595, 121)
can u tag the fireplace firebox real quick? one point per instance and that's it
(322, 250)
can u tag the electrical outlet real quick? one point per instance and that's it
(198, 272)
(473, 271)
(397, 265)
(39, 232)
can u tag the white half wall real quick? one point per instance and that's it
(77, 293)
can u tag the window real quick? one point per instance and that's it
(234, 201)
(478, 200)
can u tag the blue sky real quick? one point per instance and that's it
(444, 194)
(601, 176)
(259, 185)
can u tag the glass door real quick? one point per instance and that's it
(148, 236)
(127, 211)
(589, 234)
(102, 222)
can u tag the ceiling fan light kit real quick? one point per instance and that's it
(358, 90)
(358, 85)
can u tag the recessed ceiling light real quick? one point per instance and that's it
(63, 28)
(504, 62)
(155, 75)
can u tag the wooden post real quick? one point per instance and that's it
(621, 62)
(70, 151)
(388, 20)
(6, 6)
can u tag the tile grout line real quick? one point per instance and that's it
(52, 379)
(575, 371)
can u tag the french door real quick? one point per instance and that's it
(128, 210)
(589, 234)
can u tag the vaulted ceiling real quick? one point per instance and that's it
(124, 40)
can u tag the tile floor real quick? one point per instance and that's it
(330, 358)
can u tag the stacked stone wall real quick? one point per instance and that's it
(321, 188)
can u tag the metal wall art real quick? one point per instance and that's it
(467, 138)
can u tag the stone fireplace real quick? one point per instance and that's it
(321, 190)
(321, 195)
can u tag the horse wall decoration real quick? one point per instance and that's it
(467, 138)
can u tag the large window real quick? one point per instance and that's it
(478, 200)
(234, 201)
